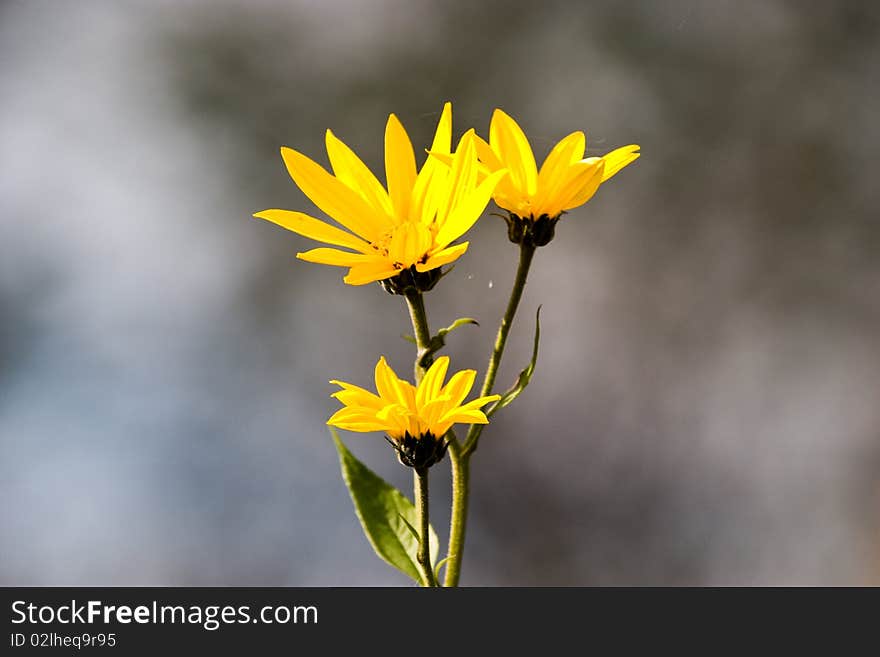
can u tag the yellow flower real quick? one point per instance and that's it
(565, 181)
(407, 227)
(415, 418)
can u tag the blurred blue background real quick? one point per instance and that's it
(705, 409)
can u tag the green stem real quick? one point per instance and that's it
(423, 556)
(526, 251)
(460, 456)
(416, 303)
(458, 522)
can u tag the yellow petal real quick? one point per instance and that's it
(356, 414)
(400, 167)
(490, 163)
(351, 170)
(314, 229)
(459, 386)
(462, 176)
(443, 135)
(443, 257)
(445, 158)
(478, 403)
(429, 192)
(391, 388)
(487, 156)
(512, 147)
(409, 243)
(431, 384)
(575, 179)
(432, 413)
(367, 398)
(347, 386)
(399, 418)
(362, 427)
(470, 413)
(466, 213)
(569, 150)
(553, 172)
(325, 256)
(355, 422)
(619, 158)
(333, 196)
(370, 272)
(358, 398)
(465, 417)
(385, 377)
(568, 183)
(582, 187)
(430, 184)
(344, 385)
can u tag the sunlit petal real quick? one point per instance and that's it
(391, 387)
(314, 229)
(351, 170)
(459, 386)
(443, 257)
(582, 188)
(370, 272)
(466, 213)
(400, 166)
(618, 159)
(512, 147)
(333, 196)
(553, 172)
(327, 256)
(432, 382)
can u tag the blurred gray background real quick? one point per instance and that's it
(706, 408)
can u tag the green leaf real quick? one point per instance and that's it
(461, 321)
(439, 341)
(524, 377)
(440, 565)
(387, 516)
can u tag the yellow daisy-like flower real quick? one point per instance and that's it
(405, 229)
(415, 418)
(566, 179)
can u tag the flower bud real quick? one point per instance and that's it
(410, 278)
(419, 452)
(528, 231)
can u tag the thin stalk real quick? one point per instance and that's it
(423, 556)
(458, 522)
(460, 455)
(526, 252)
(416, 304)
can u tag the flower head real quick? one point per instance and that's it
(566, 179)
(415, 418)
(405, 228)
(535, 199)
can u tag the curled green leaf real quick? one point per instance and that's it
(439, 341)
(524, 376)
(461, 321)
(440, 565)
